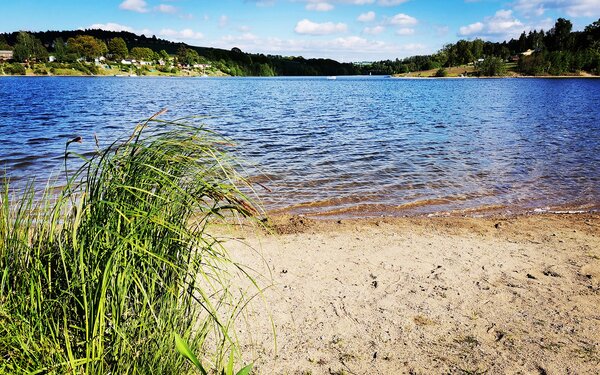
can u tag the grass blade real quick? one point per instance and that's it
(184, 349)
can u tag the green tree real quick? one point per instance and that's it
(558, 62)
(464, 52)
(441, 72)
(504, 53)
(187, 56)
(532, 65)
(117, 48)
(560, 35)
(86, 46)
(60, 49)
(477, 48)
(264, 70)
(492, 66)
(29, 48)
(181, 52)
(537, 41)
(163, 55)
(592, 33)
(440, 58)
(523, 44)
(15, 69)
(451, 55)
(4, 44)
(142, 53)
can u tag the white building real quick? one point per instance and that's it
(529, 52)
(6, 55)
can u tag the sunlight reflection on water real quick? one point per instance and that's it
(355, 145)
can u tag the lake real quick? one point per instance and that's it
(355, 146)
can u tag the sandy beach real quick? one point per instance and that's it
(503, 295)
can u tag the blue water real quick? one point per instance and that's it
(351, 146)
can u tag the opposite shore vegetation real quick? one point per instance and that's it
(558, 52)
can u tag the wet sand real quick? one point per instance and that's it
(518, 295)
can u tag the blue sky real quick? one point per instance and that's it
(346, 30)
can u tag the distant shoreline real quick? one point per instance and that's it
(501, 77)
(228, 76)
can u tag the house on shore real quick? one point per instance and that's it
(6, 55)
(201, 66)
(529, 52)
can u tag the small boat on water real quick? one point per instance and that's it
(331, 77)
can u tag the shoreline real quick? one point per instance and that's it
(423, 294)
(502, 77)
(228, 76)
(419, 210)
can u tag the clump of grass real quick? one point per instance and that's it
(101, 277)
(422, 320)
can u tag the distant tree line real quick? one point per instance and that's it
(557, 51)
(69, 46)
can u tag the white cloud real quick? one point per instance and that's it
(375, 30)
(348, 48)
(111, 26)
(319, 6)
(181, 35)
(503, 22)
(223, 21)
(402, 19)
(263, 3)
(245, 37)
(441, 30)
(471, 29)
(573, 8)
(586, 8)
(367, 17)
(165, 8)
(357, 2)
(312, 28)
(383, 3)
(139, 6)
(502, 25)
(405, 31)
(390, 3)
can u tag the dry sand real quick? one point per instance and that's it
(516, 295)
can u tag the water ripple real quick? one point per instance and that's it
(347, 146)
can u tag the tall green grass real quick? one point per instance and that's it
(102, 276)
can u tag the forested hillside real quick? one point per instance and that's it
(233, 62)
(557, 51)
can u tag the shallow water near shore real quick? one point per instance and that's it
(355, 146)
